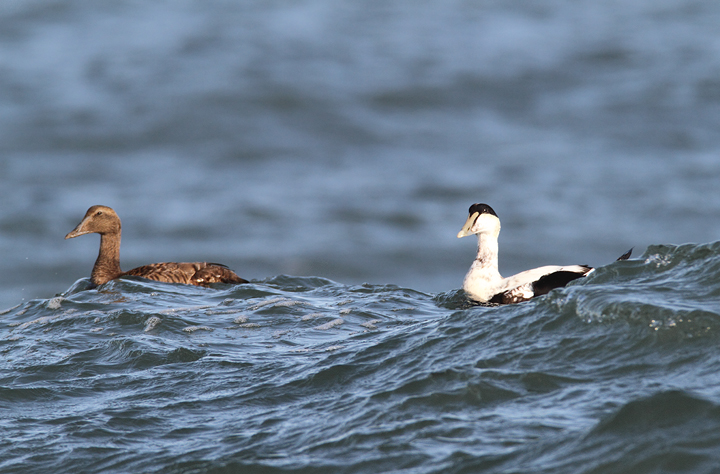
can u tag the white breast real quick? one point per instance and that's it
(482, 283)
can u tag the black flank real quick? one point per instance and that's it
(554, 280)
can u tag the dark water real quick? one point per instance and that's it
(340, 143)
(618, 373)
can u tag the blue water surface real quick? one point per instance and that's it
(328, 152)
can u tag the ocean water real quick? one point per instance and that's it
(616, 373)
(328, 151)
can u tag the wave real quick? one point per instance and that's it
(670, 290)
(614, 373)
(667, 431)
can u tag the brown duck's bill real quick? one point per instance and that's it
(77, 231)
(468, 225)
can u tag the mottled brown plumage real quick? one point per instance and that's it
(104, 221)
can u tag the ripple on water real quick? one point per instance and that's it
(320, 371)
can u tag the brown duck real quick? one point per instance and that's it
(104, 221)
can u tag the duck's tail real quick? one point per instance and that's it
(626, 255)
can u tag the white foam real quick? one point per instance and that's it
(278, 302)
(41, 320)
(197, 328)
(262, 304)
(151, 323)
(330, 325)
(370, 324)
(311, 316)
(54, 303)
(6, 311)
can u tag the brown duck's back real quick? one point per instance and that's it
(188, 273)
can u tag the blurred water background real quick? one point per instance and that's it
(346, 141)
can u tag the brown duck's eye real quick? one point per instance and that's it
(98, 213)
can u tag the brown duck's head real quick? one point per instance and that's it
(98, 219)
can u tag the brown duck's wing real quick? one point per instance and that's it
(188, 273)
(169, 272)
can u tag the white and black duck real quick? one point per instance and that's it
(483, 281)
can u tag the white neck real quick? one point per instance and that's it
(483, 278)
(487, 256)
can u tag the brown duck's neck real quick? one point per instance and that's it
(107, 265)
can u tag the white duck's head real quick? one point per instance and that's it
(481, 220)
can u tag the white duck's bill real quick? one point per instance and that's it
(467, 228)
